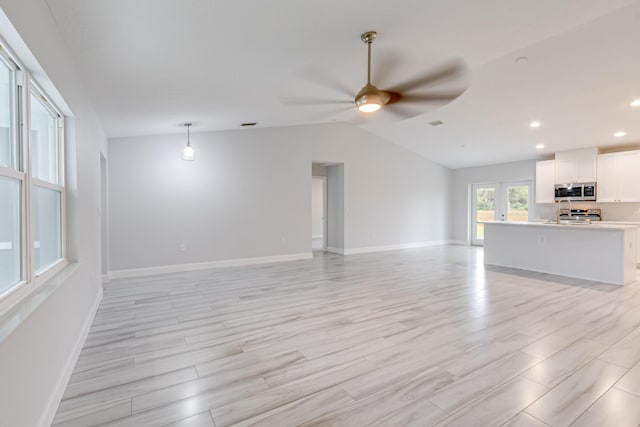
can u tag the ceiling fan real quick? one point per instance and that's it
(370, 99)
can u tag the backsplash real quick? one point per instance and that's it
(610, 211)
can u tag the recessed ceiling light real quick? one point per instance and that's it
(619, 134)
(540, 146)
(535, 124)
(635, 103)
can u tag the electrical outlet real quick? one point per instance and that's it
(182, 247)
(371, 236)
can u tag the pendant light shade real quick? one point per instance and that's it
(187, 153)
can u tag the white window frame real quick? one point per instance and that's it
(41, 276)
(24, 86)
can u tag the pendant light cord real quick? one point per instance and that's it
(188, 125)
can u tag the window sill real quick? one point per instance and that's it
(16, 315)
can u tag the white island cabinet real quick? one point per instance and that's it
(599, 252)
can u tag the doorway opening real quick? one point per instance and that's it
(498, 201)
(327, 207)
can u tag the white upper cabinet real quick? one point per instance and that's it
(545, 179)
(619, 177)
(576, 166)
(607, 183)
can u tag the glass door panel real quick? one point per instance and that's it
(484, 209)
(500, 201)
(517, 208)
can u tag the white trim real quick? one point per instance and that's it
(106, 278)
(46, 184)
(12, 173)
(335, 250)
(459, 242)
(56, 396)
(369, 249)
(316, 236)
(176, 268)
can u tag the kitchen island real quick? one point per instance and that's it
(600, 252)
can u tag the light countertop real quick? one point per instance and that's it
(592, 226)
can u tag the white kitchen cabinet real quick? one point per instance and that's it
(607, 183)
(629, 176)
(618, 177)
(545, 179)
(576, 166)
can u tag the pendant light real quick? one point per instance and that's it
(187, 153)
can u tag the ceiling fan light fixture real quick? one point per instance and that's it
(369, 103)
(369, 107)
(371, 99)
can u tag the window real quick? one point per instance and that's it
(32, 193)
(10, 233)
(12, 181)
(46, 191)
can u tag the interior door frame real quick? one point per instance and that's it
(325, 228)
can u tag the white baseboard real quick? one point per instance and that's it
(335, 250)
(459, 242)
(369, 249)
(106, 278)
(177, 268)
(54, 401)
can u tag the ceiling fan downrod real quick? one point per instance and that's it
(368, 39)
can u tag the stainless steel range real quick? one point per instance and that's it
(580, 215)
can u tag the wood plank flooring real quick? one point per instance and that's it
(408, 338)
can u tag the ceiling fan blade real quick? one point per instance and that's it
(444, 73)
(402, 113)
(295, 101)
(324, 79)
(384, 67)
(442, 97)
(333, 114)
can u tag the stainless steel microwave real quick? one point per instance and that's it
(576, 191)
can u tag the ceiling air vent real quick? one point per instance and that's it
(248, 124)
(436, 123)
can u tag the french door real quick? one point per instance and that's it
(499, 201)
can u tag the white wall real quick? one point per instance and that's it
(34, 357)
(249, 189)
(462, 178)
(317, 207)
(335, 208)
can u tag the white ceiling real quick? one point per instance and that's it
(151, 65)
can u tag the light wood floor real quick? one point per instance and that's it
(417, 337)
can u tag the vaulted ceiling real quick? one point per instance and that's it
(151, 65)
